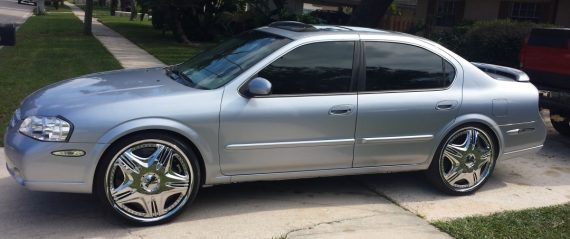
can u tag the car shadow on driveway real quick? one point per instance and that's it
(272, 207)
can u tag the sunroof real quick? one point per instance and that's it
(294, 26)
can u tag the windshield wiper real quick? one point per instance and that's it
(176, 75)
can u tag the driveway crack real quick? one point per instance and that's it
(324, 223)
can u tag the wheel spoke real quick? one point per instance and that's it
(454, 154)
(472, 138)
(453, 176)
(153, 205)
(165, 160)
(128, 197)
(156, 155)
(130, 162)
(473, 177)
(174, 181)
(484, 158)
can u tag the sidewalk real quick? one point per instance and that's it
(126, 52)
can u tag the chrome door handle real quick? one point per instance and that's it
(446, 105)
(341, 110)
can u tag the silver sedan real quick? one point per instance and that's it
(284, 101)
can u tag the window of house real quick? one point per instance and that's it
(525, 11)
(396, 66)
(324, 67)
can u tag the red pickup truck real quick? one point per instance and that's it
(545, 58)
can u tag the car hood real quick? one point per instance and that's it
(102, 88)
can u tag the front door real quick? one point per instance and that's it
(409, 96)
(308, 121)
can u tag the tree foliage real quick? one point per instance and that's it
(206, 20)
(203, 20)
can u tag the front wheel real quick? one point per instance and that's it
(560, 122)
(148, 178)
(464, 161)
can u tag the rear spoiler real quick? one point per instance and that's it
(504, 71)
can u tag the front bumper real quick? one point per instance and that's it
(31, 163)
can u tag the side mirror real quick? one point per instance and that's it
(7, 35)
(259, 86)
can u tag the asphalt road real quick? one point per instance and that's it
(12, 12)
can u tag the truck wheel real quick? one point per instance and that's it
(563, 127)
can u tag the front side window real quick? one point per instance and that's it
(324, 67)
(396, 66)
(219, 65)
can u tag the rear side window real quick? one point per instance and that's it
(324, 67)
(395, 66)
(551, 38)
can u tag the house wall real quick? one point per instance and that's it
(563, 14)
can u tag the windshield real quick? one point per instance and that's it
(219, 65)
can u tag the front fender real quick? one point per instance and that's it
(204, 146)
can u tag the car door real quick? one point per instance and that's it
(306, 123)
(408, 96)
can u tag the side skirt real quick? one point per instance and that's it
(327, 173)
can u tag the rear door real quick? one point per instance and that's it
(408, 96)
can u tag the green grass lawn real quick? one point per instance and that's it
(548, 222)
(164, 47)
(48, 48)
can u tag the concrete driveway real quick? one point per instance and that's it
(341, 207)
(318, 208)
(12, 12)
(538, 180)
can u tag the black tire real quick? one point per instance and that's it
(116, 148)
(19, 1)
(563, 127)
(435, 172)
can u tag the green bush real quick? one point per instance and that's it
(496, 42)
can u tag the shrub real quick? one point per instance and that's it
(496, 42)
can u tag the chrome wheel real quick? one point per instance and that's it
(149, 180)
(467, 159)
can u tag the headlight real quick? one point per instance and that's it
(46, 128)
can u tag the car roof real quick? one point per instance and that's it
(298, 30)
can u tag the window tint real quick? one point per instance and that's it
(324, 67)
(394, 66)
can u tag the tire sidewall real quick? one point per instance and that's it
(118, 146)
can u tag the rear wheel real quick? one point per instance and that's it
(560, 122)
(148, 178)
(464, 161)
